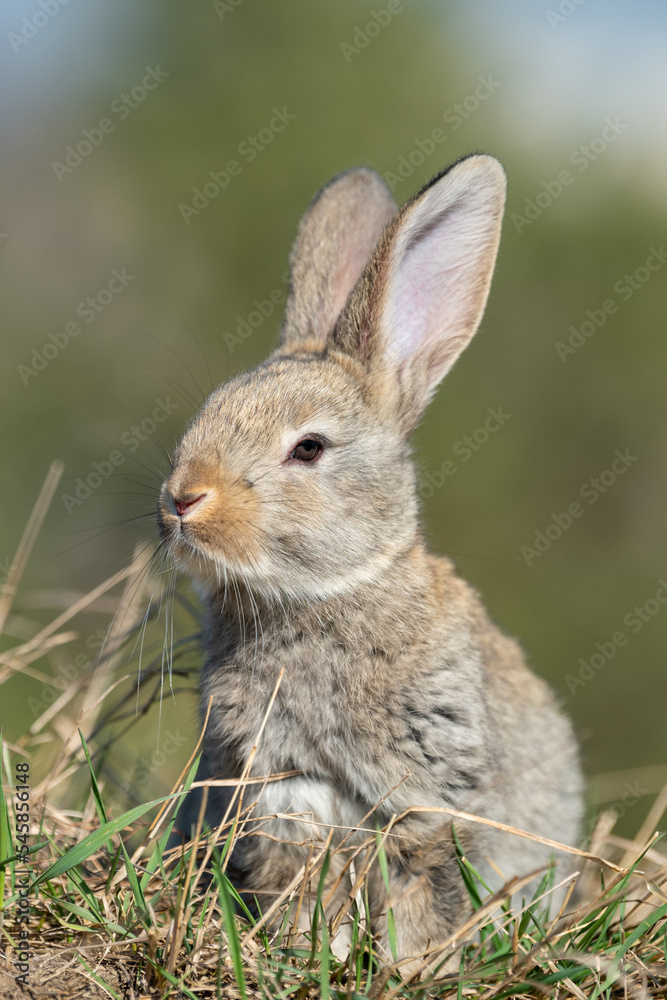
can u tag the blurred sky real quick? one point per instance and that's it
(603, 57)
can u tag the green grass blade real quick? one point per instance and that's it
(384, 869)
(80, 883)
(137, 891)
(5, 829)
(462, 969)
(466, 873)
(102, 815)
(175, 982)
(637, 934)
(219, 859)
(325, 962)
(318, 908)
(96, 839)
(233, 941)
(99, 804)
(98, 979)
(20, 857)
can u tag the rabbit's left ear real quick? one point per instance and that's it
(335, 242)
(422, 296)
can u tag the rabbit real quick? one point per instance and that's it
(293, 507)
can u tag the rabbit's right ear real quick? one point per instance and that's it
(423, 294)
(336, 239)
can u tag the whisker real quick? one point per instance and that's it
(173, 384)
(121, 557)
(138, 416)
(201, 350)
(166, 347)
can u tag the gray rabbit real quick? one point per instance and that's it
(292, 504)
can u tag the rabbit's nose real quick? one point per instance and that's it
(186, 503)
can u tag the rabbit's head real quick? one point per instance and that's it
(295, 478)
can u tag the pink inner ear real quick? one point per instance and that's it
(348, 274)
(437, 287)
(353, 260)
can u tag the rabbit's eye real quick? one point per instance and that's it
(307, 450)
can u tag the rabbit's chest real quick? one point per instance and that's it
(303, 720)
(362, 725)
(310, 720)
(352, 744)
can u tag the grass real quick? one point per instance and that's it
(114, 911)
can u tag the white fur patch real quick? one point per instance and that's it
(315, 805)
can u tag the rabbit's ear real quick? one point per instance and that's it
(424, 292)
(336, 239)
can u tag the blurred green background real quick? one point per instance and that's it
(530, 82)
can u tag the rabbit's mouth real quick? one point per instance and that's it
(207, 521)
(181, 509)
